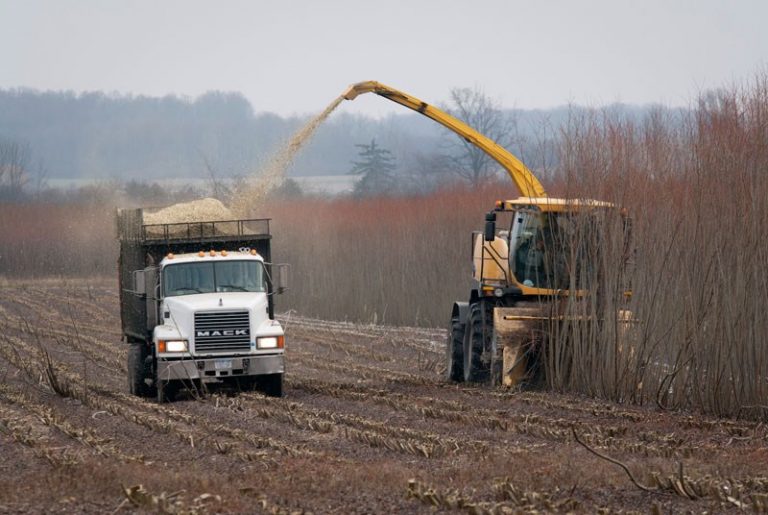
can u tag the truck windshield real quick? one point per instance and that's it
(221, 276)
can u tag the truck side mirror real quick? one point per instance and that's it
(281, 277)
(490, 226)
(139, 283)
(145, 283)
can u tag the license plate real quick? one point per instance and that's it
(222, 364)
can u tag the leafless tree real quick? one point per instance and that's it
(14, 168)
(219, 189)
(484, 114)
(39, 179)
(425, 172)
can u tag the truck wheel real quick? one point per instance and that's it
(477, 343)
(137, 354)
(166, 391)
(455, 352)
(271, 385)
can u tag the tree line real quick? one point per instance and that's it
(221, 137)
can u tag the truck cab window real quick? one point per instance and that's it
(188, 279)
(223, 276)
(240, 276)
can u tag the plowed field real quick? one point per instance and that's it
(367, 425)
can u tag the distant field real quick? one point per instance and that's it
(319, 184)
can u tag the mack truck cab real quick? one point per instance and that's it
(193, 319)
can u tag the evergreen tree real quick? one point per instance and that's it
(376, 166)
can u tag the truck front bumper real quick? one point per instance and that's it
(217, 369)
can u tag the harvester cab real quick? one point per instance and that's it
(526, 279)
(544, 239)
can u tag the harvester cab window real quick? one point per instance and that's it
(559, 234)
(576, 241)
(529, 248)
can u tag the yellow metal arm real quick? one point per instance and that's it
(523, 178)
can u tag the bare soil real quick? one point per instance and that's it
(367, 425)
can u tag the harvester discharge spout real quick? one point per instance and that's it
(358, 89)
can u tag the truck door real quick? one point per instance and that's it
(151, 281)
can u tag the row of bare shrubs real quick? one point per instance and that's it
(51, 239)
(696, 186)
(390, 260)
(399, 261)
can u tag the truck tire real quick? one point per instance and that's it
(166, 391)
(455, 352)
(271, 385)
(137, 369)
(477, 343)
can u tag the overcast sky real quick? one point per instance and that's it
(293, 57)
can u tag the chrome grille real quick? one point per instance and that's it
(222, 331)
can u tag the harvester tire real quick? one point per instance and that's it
(455, 352)
(477, 343)
(497, 366)
(137, 370)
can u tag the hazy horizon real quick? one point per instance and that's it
(101, 137)
(397, 110)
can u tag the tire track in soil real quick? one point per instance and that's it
(192, 431)
(422, 446)
(53, 418)
(57, 310)
(592, 413)
(538, 427)
(356, 427)
(350, 369)
(223, 447)
(110, 356)
(92, 306)
(26, 429)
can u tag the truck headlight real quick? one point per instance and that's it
(270, 342)
(172, 346)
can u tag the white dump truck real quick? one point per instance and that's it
(197, 305)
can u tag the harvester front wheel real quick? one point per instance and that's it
(477, 343)
(455, 351)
